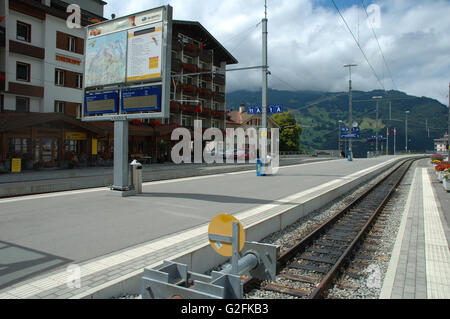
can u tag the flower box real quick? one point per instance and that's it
(446, 184)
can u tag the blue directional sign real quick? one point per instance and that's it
(351, 135)
(275, 109)
(99, 103)
(141, 99)
(345, 129)
(271, 109)
(356, 129)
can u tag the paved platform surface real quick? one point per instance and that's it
(52, 180)
(110, 236)
(420, 263)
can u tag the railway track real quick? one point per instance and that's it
(308, 268)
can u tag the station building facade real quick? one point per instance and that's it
(41, 88)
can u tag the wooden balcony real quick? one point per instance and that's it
(219, 97)
(190, 68)
(191, 50)
(176, 45)
(206, 77)
(189, 90)
(26, 49)
(205, 93)
(175, 107)
(176, 65)
(2, 37)
(218, 114)
(219, 79)
(206, 56)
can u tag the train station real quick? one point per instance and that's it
(109, 240)
(139, 159)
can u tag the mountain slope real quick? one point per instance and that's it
(319, 113)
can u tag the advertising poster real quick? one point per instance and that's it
(144, 53)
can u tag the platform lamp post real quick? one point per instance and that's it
(406, 131)
(376, 98)
(339, 136)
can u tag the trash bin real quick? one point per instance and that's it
(258, 167)
(136, 173)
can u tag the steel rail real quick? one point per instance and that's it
(302, 245)
(327, 280)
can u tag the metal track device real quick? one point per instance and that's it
(227, 237)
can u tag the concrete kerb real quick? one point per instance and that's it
(203, 258)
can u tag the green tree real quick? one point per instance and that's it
(290, 132)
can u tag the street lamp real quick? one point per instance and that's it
(377, 98)
(406, 131)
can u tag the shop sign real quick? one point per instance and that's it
(76, 136)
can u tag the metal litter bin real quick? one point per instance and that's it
(136, 173)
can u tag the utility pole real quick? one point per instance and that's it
(406, 131)
(377, 98)
(350, 116)
(387, 141)
(265, 70)
(395, 138)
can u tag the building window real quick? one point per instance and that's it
(22, 104)
(2, 104)
(72, 44)
(18, 145)
(23, 72)
(59, 107)
(23, 31)
(80, 81)
(59, 77)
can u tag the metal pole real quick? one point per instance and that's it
(406, 131)
(376, 133)
(395, 137)
(387, 141)
(350, 115)
(448, 132)
(264, 68)
(235, 249)
(120, 155)
(339, 137)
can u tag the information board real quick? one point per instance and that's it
(144, 53)
(145, 99)
(106, 59)
(102, 102)
(131, 55)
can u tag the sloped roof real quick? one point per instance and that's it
(11, 121)
(196, 31)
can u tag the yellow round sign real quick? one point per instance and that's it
(222, 225)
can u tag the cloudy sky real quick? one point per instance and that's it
(309, 42)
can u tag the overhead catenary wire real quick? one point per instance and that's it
(359, 46)
(379, 46)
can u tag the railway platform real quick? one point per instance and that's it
(88, 244)
(419, 267)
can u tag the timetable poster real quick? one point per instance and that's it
(144, 53)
